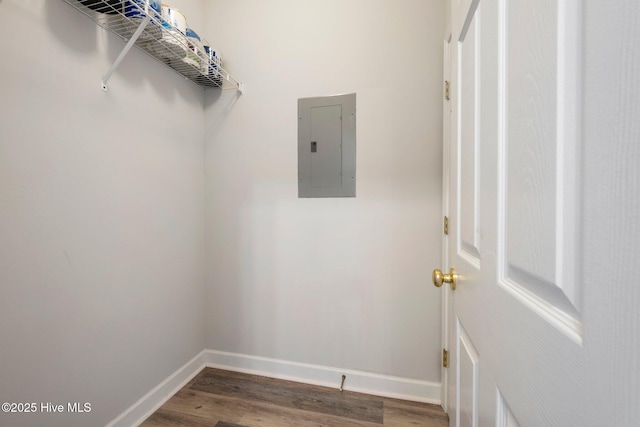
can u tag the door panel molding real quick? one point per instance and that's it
(468, 363)
(468, 142)
(538, 209)
(505, 417)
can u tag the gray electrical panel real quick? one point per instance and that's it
(327, 146)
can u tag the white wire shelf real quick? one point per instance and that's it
(169, 46)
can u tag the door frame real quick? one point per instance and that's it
(446, 142)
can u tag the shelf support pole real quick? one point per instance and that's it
(126, 50)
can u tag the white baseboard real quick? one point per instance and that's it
(358, 381)
(150, 402)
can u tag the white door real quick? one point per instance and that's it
(515, 324)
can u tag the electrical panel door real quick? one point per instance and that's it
(327, 146)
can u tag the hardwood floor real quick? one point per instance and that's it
(216, 398)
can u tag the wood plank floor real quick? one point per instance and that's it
(216, 398)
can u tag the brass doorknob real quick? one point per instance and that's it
(439, 278)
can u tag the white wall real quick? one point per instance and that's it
(343, 283)
(101, 218)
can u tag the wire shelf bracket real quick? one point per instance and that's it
(125, 50)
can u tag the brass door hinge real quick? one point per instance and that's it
(446, 225)
(445, 358)
(446, 90)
